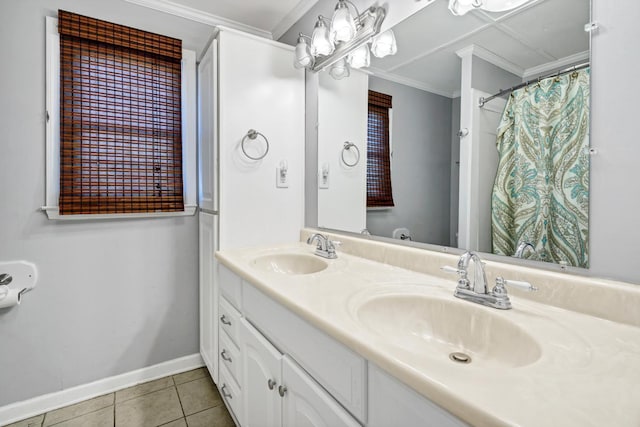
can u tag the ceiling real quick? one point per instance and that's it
(265, 18)
(540, 37)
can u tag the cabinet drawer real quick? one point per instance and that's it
(337, 368)
(229, 320)
(230, 286)
(230, 392)
(230, 357)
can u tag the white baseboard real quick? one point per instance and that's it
(48, 402)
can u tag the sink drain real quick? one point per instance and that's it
(459, 357)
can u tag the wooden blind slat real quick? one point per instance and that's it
(96, 30)
(379, 191)
(379, 99)
(120, 109)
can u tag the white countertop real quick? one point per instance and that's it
(588, 372)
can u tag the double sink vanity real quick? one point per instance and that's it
(376, 337)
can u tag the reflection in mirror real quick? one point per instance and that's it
(486, 136)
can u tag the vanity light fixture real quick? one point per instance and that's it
(460, 7)
(343, 42)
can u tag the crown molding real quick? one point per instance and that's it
(490, 57)
(408, 82)
(556, 65)
(172, 8)
(292, 17)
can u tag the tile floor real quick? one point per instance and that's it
(189, 399)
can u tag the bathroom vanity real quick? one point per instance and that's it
(355, 341)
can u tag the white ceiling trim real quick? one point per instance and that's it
(292, 17)
(491, 57)
(555, 65)
(439, 48)
(408, 82)
(192, 14)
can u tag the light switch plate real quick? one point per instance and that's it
(323, 177)
(282, 179)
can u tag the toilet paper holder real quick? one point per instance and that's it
(22, 274)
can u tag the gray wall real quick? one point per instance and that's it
(490, 78)
(420, 171)
(114, 295)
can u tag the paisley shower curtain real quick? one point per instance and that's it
(541, 191)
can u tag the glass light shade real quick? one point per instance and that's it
(460, 7)
(339, 70)
(320, 41)
(343, 26)
(302, 55)
(360, 57)
(384, 44)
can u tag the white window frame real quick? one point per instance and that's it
(189, 143)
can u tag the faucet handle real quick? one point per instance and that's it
(450, 269)
(463, 281)
(525, 286)
(332, 245)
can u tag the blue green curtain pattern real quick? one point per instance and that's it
(541, 191)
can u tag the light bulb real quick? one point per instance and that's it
(339, 70)
(360, 57)
(343, 26)
(384, 44)
(320, 41)
(302, 56)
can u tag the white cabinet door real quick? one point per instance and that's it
(207, 76)
(260, 90)
(208, 293)
(261, 377)
(306, 404)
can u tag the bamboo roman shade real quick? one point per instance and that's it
(379, 192)
(120, 119)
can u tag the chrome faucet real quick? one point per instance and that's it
(523, 247)
(478, 291)
(479, 278)
(325, 247)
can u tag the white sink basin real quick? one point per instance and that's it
(437, 326)
(291, 264)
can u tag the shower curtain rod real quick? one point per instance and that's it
(484, 100)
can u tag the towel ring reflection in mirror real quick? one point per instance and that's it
(346, 148)
(252, 134)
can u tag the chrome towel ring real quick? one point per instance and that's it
(347, 147)
(252, 134)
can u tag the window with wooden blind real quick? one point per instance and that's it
(379, 193)
(119, 119)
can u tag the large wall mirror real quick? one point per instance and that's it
(507, 176)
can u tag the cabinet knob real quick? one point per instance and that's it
(223, 354)
(224, 320)
(282, 390)
(271, 384)
(224, 392)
